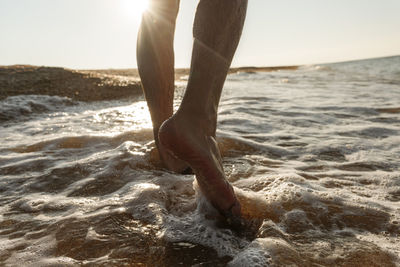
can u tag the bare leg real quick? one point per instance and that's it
(190, 133)
(155, 58)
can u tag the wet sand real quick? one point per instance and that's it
(85, 85)
(75, 84)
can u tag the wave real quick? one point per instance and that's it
(22, 107)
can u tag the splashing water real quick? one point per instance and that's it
(313, 154)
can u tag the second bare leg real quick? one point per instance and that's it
(155, 58)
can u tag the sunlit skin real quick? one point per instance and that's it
(188, 136)
(155, 59)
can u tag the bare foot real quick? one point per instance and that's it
(170, 161)
(173, 163)
(188, 140)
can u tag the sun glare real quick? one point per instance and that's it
(134, 8)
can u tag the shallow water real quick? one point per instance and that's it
(314, 155)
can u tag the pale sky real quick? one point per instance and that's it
(96, 34)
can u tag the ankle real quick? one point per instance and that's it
(197, 120)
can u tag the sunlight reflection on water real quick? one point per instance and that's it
(125, 118)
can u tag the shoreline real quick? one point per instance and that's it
(180, 73)
(86, 85)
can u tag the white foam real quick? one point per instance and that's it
(37, 253)
(195, 228)
(254, 255)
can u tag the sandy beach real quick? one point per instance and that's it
(85, 85)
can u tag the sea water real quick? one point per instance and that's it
(313, 153)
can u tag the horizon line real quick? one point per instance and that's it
(231, 67)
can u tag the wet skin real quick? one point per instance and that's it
(187, 138)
